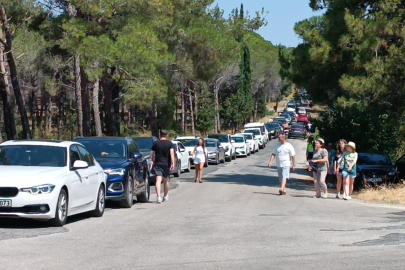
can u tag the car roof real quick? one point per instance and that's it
(54, 143)
(104, 138)
(211, 139)
(187, 138)
(238, 135)
(143, 138)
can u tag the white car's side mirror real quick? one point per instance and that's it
(80, 164)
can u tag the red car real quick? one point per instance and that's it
(303, 118)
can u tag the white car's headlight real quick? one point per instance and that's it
(119, 172)
(44, 189)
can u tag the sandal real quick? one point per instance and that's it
(280, 192)
(284, 193)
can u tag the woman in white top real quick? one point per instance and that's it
(199, 156)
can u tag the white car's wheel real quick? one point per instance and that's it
(188, 166)
(100, 205)
(61, 211)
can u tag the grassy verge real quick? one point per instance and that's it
(394, 195)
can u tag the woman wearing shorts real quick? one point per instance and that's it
(199, 156)
(349, 171)
(339, 165)
(320, 159)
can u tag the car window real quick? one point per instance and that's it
(133, 148)
(33, 155)
(254, 131)
(145, 144)
(220, 137)
(189, 142)
(74, 155)
(85, 155)
(239, 139)
(103, 148)
(209, 143)
(373, 159)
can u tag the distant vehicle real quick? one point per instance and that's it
(287, 117)
(297, 130)
(264, 136)
(273, 129)
(127, 170)
(400, 167)
(189, 143)
(216, 153)
(227, 143)
(291, 104)
(303, 118)
(254, 143)
(291, 110)
(49, 180)
(374, 168)
(242, 147)
(258, 135)
(183, 159)
(302, 111)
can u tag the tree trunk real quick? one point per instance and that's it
(153, 121)
(33, 102)
(78, 88)
(183, 112)
(191, 111)
(97, 122)
(116, 108)
(48, 114)
(1, 130)
(255, 113)
(61, 109)
(5, 93)
(217, 119)
(14, 74)
(85, 104)
(109, 119)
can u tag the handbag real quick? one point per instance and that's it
(313, 166)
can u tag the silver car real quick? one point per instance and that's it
(216, 153)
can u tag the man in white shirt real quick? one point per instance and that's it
(283, 152)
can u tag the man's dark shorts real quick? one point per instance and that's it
(162, 171)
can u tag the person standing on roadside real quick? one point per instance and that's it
(284, 153)
(163, 162)
(349, 170)
(341, 148)
(199, 157)
(310, 150)
(320, 159)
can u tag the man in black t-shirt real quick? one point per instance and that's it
(163, 160)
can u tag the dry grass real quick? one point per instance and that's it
(383, 195)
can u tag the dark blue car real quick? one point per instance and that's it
(122, 161)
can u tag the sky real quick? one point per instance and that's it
(282, 16)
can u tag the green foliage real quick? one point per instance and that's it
(369, 125)
(205, 113)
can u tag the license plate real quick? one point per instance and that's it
(374, 180)
(5, 203)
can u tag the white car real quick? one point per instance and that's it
(183, 157)
(302, 111)
(189, 144)
(250, 138)
(49, 180)
(264, 136)
(242, 147)
(259, 136)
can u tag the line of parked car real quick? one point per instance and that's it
(51, 180)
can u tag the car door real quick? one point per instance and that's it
(92, 181)
(184, 156)
(400, 167)
(138, 167)
(78, 196)
(221, 151)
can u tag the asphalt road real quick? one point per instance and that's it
(234, 220)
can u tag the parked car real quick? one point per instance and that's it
(122, 161)
(258, 136)
(287, 117)
(242, 147)
(291, 104)
(264, 137)
(183, 159)
(297, 130)
(216, 153)
(302, 111)
(49, 180)
(374, 168)
(400, 167)
(189, 143)
(227, 144)
(145, 146)
(253, 142)
(273, 129)
(303, 118)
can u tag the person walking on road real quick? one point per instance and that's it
(341, 148)
(349, 171)
(310, 150)
(321, 160)
(199, 156)
(163, 162)
(284, 153)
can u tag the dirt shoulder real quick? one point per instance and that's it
(393, 196)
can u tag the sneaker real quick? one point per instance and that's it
(325, 195)
(159, 200)
(338, 196)
(317, 197)
(347, 198)
(165, 199)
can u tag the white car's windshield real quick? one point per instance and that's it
(32, 155)
(254, 131)
(210, 143)
(221, 138)
(189, 142)
(238, 139)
